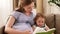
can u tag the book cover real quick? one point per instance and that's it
(39, 30)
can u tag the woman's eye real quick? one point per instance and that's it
(29, 8)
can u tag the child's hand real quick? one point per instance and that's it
(47, 28)
(27, 32)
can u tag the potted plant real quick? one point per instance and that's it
(57, 2)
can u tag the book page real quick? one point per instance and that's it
(38, 29)
(41, 30)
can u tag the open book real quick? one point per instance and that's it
(39, 30)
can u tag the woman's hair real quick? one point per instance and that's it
(22, 4)
(37, 17)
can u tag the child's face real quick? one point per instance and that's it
(40, 21)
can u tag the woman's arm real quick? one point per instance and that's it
(10, 30)
(33, 28)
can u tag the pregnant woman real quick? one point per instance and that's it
(21, 20)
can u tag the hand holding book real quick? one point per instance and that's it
(39, 30)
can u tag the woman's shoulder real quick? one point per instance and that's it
(15, 12)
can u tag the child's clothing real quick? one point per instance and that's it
(43, 27)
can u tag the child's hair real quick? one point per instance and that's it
(37, 16)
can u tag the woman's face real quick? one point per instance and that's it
(21, 1)
(40, 21)
(28, 8)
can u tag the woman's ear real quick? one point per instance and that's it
(24, 7)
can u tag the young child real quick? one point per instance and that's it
(39, 21)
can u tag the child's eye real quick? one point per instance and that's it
(40, 21)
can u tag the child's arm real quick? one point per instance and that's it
(47, 28)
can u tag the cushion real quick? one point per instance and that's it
(50, 20)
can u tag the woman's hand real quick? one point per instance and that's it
(27, 32)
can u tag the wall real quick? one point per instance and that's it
(46, 7)
(6, 6)
(39, 4)
(50, 8)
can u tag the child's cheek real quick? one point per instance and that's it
(38, 24)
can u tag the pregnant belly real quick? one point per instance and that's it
(23, 27)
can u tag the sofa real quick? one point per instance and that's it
(2, 30)
(52, 21)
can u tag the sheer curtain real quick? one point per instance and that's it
(6, 6)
